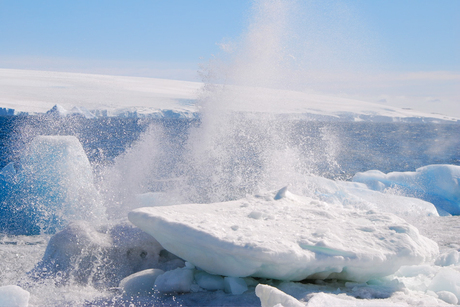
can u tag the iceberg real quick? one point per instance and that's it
(438, 184)
(279, 235)
(52, 186)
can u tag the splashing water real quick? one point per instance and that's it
(243, 144)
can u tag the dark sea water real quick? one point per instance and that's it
(356, 146)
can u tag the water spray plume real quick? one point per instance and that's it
(248, 139)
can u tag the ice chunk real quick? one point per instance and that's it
(446, 279)
(54, 185)
(14, 296)
(235, 285)
(295, 238)
(359, 196)
(189, 265)
(415, 270)
(270, 296)
(208, 281)
(178, 280)
(8, 173)
(84, 254)
(447, 297)
(438, 184)
(140, 283)
(57, 111)
(449, 258)
(281, 193)
(82, 111)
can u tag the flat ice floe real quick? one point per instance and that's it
(283, 236)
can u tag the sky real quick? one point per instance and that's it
(144, 38)
(412, 46)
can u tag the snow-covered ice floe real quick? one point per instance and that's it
(283, 236)
(438, 184)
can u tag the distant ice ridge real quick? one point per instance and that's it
(178, 113)
(27, 92)
(438, 184)
(283, 236)
(50, 186)
(60, 111)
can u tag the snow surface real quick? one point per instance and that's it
(438, 184)
(283, 236)
(32, 92)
